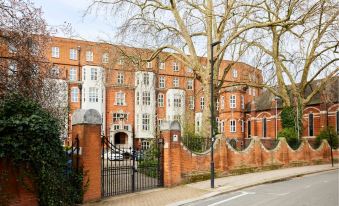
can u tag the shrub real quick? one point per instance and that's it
(287, 117)
(30, 135)
(291, 137)
(327, 134)
(148, 162)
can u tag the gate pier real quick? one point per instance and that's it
(86, 125)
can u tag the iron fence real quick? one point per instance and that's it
(269, 143)
(239, 144)
(314, 143)
(197, 144)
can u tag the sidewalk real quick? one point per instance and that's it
(200, 190)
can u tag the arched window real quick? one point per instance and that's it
(249, 128)
(310, 125)
(264, 127)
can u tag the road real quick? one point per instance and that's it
(317, 189)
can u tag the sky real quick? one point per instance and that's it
(90, 27)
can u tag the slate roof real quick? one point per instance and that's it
(264, 101)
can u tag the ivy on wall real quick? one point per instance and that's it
(29, 135)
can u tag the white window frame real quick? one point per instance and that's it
(161, 98)
(84, 74)
(145, 144)
(73, 54)
(202, 103)
(162, 65)
(94, 74)
(242, 126)
(149, 65)
(146, 79)
(89, 56)
(222, 103)
(176, 67)
(146, 98)
(233, 126)
(105, 58)
(120, 78)
(190, 84)
(222, 126)
(242, 102)
(145, 122)
(191, 102)
(162, 83)
(217, 104)
(74, 94)
(55, 52)
(234, 73)
(233, 101)
(121, 61)
(177, 101)
(93, 94)
(175, 82)
(72, 74)
(120, 99)
(138, 98)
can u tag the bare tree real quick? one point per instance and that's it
(300, 50)
(186, 29)
(23, 36)
(24, 67)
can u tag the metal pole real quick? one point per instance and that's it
(329, 133)
(212, 116)
(276, 118)
(212, 113)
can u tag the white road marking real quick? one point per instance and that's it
(243, 193)
(279, 194)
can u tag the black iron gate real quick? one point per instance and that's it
(125, 170)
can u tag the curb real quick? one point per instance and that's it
(216, 193)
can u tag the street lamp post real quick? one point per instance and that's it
(276, 117)
(212, 112)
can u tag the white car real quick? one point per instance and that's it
(113, 156)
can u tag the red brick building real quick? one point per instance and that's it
(134, 96)
(263, 113)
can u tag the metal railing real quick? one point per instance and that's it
(269, 143)
(196, 144)
(239, 144)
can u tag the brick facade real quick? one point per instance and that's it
(118, 64)
(181, 164)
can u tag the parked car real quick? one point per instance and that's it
(113, 156)
(139, 156)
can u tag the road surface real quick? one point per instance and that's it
(319, 189)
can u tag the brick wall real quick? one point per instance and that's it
(180, 163)
(12, 192)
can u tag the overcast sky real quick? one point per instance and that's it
(56, 12)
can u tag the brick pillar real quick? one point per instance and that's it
(170, 131)
(223, 155)
(285, 151)
(86, 125)
(257, 152)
